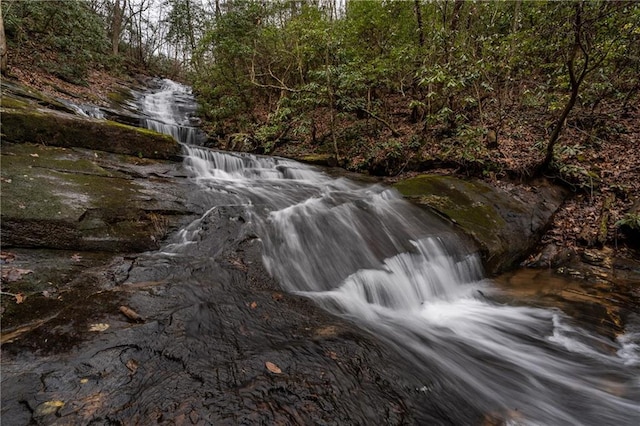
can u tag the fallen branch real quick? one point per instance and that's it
(394, 132)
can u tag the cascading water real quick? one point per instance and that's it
(364, 253)
(169, 109)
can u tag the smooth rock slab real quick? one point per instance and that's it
(71, 199)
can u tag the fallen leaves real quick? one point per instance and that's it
(10, 275)
(253, 305)
(20, 297)
(132, 365)
(131, 314)
(272, 367)
(7, 257)
(48, 407)
(98, 327)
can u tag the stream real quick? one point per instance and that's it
(363, 253)
(291, 294)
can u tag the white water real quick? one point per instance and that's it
(364, 253)
(169, 109)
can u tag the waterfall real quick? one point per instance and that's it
(364, 253)
(170, 109)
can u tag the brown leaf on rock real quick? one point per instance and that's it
(253, 305)
(132, 365)
(99, 327)
(272, 367)
(48, 408)
(20, 297)
(131, 314)
(7, 257)
(14, 274)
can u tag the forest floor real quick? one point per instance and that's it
(598, 160)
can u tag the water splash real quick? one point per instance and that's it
(85, 110)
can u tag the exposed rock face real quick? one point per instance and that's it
(76, 199)
(30, 116)
(214, 323)
(506, 225)
(61, 129)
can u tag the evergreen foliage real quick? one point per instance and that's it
(308, 72)
(69, 31)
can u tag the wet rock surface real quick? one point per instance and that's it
(62, 129)
(505, 224)
(74, 199)
(215, 340)
(105, 323)
(220, 344)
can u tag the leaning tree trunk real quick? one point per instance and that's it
(575, 81)
(419, 22)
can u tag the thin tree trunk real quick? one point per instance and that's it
(419, 21)
(116, 25)
(3, 46)
(332, 111)
(575, 80)
(455, 18)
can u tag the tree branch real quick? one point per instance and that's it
(394, 132)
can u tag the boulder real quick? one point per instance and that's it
(505, 223)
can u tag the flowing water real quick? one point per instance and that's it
(169, 108)
(363, 253)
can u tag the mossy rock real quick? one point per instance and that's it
(18, 96)
(62, 198)
(59, 129)
(317, 159)
(13, 103)
(505, 225)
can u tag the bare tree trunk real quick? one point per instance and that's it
(3, 46)
(192, 39)
(575, 81)
(116, 25)
(455, 18)
(332, 105)
(419, 21)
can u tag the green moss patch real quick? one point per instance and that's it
(63, 198)
(13, 103)
(459, 200)
(504, 225)
(65, 130)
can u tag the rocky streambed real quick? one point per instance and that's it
(102, 324)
